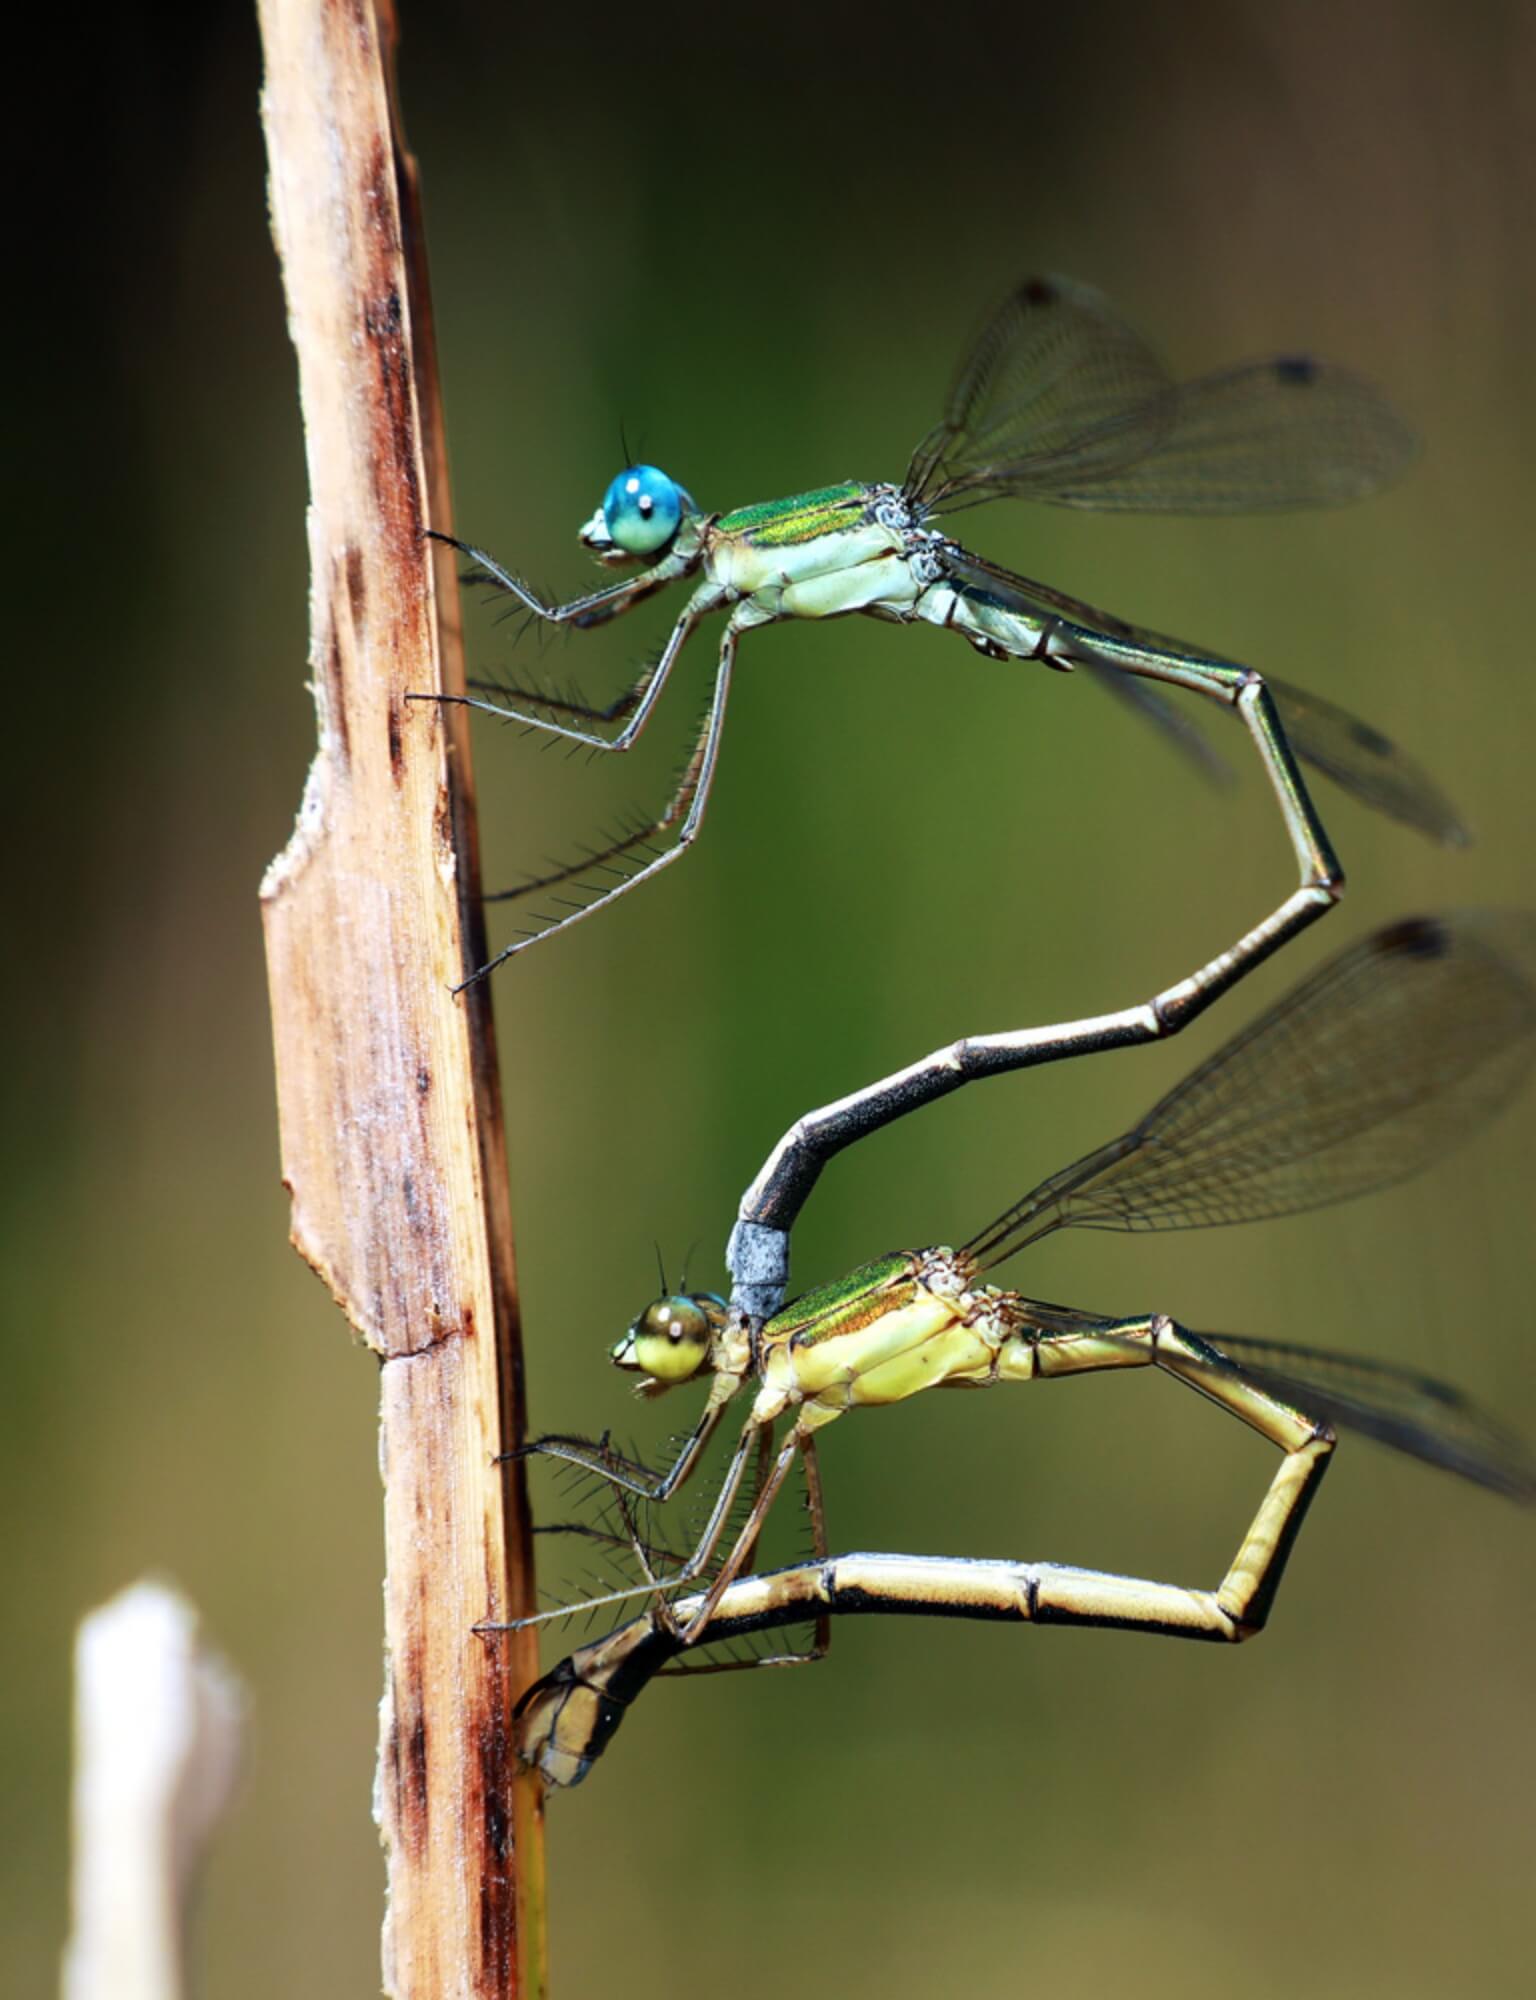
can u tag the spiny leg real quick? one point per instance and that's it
(746, 1541)
(622, 706)
(764, 1489)
(637, 837)
(593, 607)
(663, 1610)
(638, 702)
(616, 1534)
(634, 706)
(697, 1561)
(599, 1457)
(819, 1613)
(759, 1480)
(595, 857)
(821, 1641)
(631, 1481)
(688, 803)
(638, 1548)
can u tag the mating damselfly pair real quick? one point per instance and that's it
(1058, 400)
(1370, 1071)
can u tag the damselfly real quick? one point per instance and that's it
(1059, 401)
(1367, 1072)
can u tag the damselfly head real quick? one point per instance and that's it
(641, 512)
(672, 1340)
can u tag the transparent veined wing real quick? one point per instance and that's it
(1146, 700)
(1414, 1413)
(1402, 1407)
(1367, 1072)
(1356, 756)
(1060, 401)
(1366, 763)
(1056, 377)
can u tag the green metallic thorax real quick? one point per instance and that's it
(814, 555)
(803, 517)
(886, 1331)
(847, 1305)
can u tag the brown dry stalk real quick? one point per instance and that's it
(388, 1096)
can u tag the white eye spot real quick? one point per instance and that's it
(647, 505)
(631, 486)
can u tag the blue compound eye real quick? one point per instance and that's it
(642, 509)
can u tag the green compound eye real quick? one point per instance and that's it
(642, 509)
(670, 1340)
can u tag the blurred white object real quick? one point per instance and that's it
(158, 1722)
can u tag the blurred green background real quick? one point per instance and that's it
(758, 241)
